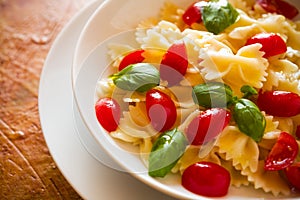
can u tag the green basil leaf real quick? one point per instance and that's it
(249, 119)
(139, 77)
(212, 94)
(218, 15)
(248, 91)
(166, 151)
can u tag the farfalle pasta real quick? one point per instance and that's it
(269, 181)
(222, 64)
(246, 67)
(238, 148)
(282, 75)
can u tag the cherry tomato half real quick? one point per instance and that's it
(207, 179)
(192, 14)
(272, 44)
(293, 174)
(161, 110)
(283, 153)
(108, 113)
(174, 63)
(280, 7)
(132, 58)
(207, 125)
(279, 103)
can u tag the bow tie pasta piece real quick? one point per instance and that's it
(283, 75)
(269, 181)
(160, 36)
(267, 24)
(239, 148)
(247, 67)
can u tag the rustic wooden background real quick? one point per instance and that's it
(27, 31)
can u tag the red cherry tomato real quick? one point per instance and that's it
(272, 44)
(207, 179)
(108, 113)
(192, 14)
(161, 110)
(279, 103)
(132, 58)
(283, 153)
(279, 7)
(174, 63)
(293, 174)
(207, 125)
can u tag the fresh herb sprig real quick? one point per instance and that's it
(212, 95)
(139, 77)
(217, 15)
(249, 119)
(166, 151)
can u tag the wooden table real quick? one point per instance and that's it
(27, 31)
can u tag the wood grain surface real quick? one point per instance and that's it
(27, 31)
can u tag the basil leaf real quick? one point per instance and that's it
(166, 151)
(139, 77)
(248, 91)
(218, 15)
(212, 94)
(249, 119)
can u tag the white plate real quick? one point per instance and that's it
(87, 69)
(90, 178)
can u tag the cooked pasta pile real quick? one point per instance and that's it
(222, 57)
